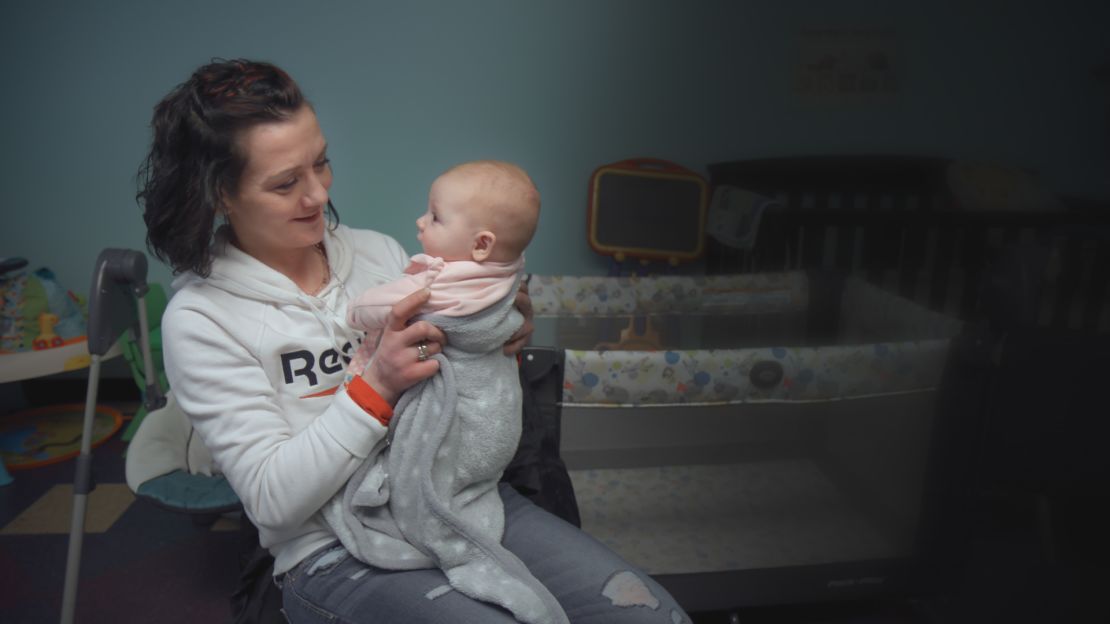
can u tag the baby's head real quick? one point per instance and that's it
(484, 210)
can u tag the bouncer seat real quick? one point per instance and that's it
(169, 466)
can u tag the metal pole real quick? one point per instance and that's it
(144, 342)
(82, 485)
(154, 396)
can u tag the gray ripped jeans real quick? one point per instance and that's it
(592, 583)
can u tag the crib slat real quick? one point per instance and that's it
(871, 261)
(972, 257)
(1011, 235)
(941, 269)
(828, 254)
(772, 242)
(914, 248)
(812, 244)
(882, 240)
(845, 246)
(1096, 294)
(1086, 254)
(928, 259)
(1068, 282)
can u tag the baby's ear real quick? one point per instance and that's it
(483, 245)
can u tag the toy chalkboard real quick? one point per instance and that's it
(647, 209)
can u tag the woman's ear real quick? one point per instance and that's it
(224, 209)
(483, 245)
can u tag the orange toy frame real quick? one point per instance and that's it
(647, 169)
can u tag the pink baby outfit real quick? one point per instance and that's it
(458, 288)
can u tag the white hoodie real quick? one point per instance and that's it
(255, 362)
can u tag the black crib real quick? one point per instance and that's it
(895, 220)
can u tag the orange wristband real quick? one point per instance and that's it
(368, 399)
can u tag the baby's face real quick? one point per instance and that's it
(448, 228)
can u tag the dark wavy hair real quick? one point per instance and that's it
(194, 160)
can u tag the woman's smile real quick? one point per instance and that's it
(310, 219)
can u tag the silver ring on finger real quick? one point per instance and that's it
(421, 351)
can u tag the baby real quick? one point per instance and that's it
(481, 215)
(429, 498)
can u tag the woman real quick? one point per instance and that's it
(255, 342)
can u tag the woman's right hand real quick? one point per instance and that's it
(395, 366)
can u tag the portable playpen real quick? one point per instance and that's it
(769, 432)
(762, 422)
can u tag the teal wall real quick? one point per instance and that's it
(405, 89)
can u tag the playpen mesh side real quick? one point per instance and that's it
(725, 480)
(825, 467)
(870, 314)
(702, 469)
(682, 519)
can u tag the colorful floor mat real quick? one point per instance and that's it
(46, 435)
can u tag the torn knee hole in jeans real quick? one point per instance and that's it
(437, 592)
(327, 561)
(625, 589)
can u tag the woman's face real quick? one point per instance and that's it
(283, 191)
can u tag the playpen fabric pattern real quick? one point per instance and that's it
(707, 377)
(908, 357)
(719, 294)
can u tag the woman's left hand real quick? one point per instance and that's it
(523, 303)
